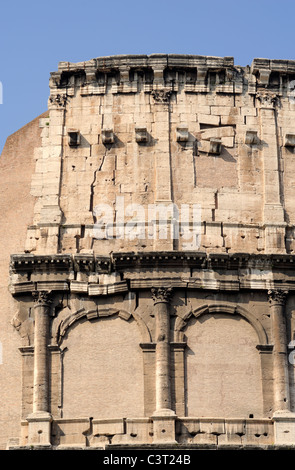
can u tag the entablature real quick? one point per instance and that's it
(121, 272)
(195, 74)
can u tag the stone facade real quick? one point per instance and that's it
(148, 284)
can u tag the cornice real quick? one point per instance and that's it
(118, 273)
(153, 61)
(161, 71)
(122, 260)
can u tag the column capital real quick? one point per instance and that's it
(161, 95)
(268, 100)
(42, 297)
(162, 294)
(277, 296)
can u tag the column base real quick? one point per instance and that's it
(164, 427)
(39, 430)
(284, 427)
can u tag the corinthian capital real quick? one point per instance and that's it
(161, 96)
(267, 99)
(42, 297)
(59, 101)
(277, 296)
(161, 294)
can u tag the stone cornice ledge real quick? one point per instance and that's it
(106, 275)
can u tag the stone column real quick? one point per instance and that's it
(40, 419)
(277, 300)
(284, 420)
(164, 416)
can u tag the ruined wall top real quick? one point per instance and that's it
(171, 69)
(180, 130)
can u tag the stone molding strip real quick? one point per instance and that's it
(120, 272)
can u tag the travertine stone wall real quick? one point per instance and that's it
(163, 115)
(111, 346)
(232, 383)
(17, 165)
(127, 339)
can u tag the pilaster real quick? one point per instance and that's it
(163, 417)
(273, 211)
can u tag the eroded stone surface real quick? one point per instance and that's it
(150, 339)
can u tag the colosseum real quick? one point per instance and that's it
(147, 258)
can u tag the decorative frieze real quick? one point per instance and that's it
(64, 272)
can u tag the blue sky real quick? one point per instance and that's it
(36, 35)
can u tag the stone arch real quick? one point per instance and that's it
(223, 368)
(101, 363)
(63, 326)
(223, 308)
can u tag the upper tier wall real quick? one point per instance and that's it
(210, 141)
